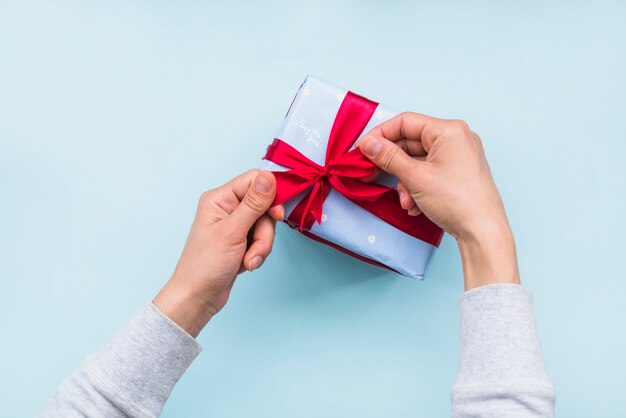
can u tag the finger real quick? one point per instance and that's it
(228, 196)
(406, 201)
(254, 203)
(242, 268)
(391, 158)
(372, 177)
(414, 211)
(239, 185)
(413, 148)
(262, 242)
(412, 127)
(277, 212)
(407, 125)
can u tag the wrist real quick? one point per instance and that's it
(184, 307)
(488, 256)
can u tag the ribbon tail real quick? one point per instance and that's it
(309, 208)
(318, 206)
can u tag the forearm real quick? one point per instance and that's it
(184, 307)
(132, 376)
(488, 254)
(501, 370)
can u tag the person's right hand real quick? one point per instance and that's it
(443, 172)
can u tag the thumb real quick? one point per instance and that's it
(255, 202)
(390, 158)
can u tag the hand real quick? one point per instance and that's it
(231, 233)
(443, 172)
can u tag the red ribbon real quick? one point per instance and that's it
(345, 171)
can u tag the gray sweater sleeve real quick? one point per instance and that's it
(132, 376)
(501, 372)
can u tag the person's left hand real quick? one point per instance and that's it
(232, 233)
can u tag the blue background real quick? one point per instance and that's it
(115, 116)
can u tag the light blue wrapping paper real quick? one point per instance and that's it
(307, 128)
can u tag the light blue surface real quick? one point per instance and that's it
(307, 127)
(115, 116)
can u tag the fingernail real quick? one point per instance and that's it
(371, 146)
(262, 183)
(255, 263)
(414, 212)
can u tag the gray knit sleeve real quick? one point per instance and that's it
(501, 371)
(132, 376)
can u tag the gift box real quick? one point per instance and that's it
(322, 182)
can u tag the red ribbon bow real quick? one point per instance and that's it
(344, 170)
